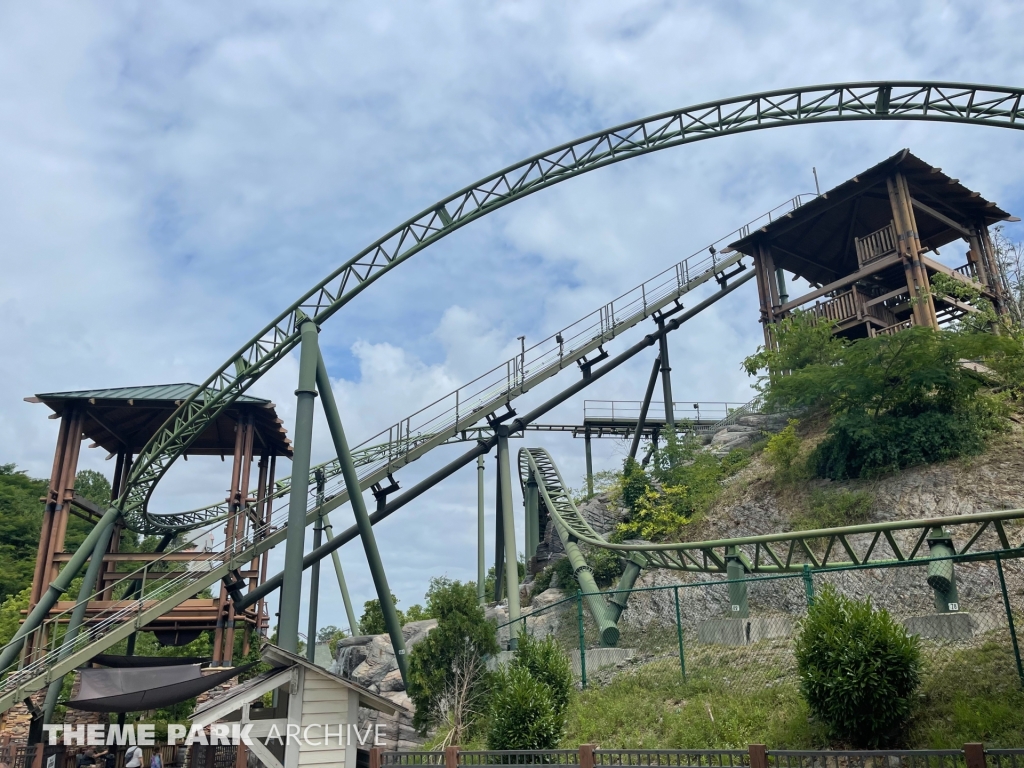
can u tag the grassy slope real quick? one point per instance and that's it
(978, 699)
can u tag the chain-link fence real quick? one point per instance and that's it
(741, 632)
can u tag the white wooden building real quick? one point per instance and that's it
(310, 700)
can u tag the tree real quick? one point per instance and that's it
(858, 669)
(462, 631)
(1010, 259)
(330, 635)
(372, 620)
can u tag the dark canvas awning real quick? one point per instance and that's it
(111, 660)
(136, 689)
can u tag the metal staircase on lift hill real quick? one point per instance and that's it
(377, 458)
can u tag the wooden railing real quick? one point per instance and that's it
(894, 328)
(968, 270)
(876, 245)
(839, 308)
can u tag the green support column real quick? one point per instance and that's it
(630, 573)
(590, 462)
(532, 501)
(527, 528)
(314, 572)
(499, 533)
(355, 494)
(679, 635)
(291, 586)
(666, 380)
(481, 568)
(77, 616)
(509, 535)
(941, 574)
(738, 608)
(780, 278)
(353, 625)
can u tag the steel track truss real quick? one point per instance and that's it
(876, 543)
(890, 100)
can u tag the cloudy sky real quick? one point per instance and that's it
(175, 174)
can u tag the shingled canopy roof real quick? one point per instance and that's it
(815, 241)
(125, 418)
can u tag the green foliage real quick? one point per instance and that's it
(690, 479)
(10, 614)
(330, 635)
(462, 630)
(606, 565)
(372, 620)
(982, 320)
(782, 451)
(531, 695)
(546, 661)
(858, 669)
(834, 509)
(522, 712)
(896, 400)
(634, 483)
(803, 341)
(416, 613)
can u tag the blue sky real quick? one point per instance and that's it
(175, 174)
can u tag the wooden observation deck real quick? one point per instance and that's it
(870, 248)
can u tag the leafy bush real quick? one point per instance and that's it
(546, 662)
(896, 400)
(634, 483)
(858, 669)
(782, 451)
(522, 712)
(691, 480)
(462, 630)
(531, 697)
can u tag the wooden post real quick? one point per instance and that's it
(451, 757)
(587, 755)
(974, 754)
(761, 297)
(758, 755)
(375, 757)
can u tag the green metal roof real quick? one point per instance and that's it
(167, 392)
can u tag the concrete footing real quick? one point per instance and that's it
(942, 626)
(743, 631)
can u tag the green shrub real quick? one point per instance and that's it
(782, 451)
(547, 663)
(634, 483)
(606, 565)
(859, 445)
(461, 630)
(522, 712)
(858, 669)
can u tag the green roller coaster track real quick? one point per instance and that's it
(450, 418)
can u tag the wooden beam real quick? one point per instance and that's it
(938, 267)
(842, 282)
(940, 217)
(886, 297)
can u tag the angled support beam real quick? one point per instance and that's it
(314, 574)
(342, 585)
(291, 588)
(666, 377)
(644, 407)
(77, 616)
(355, 494)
